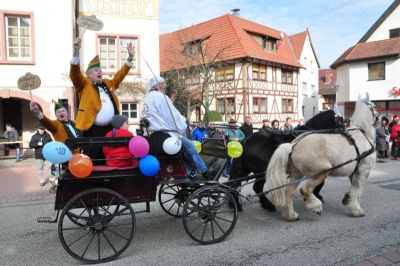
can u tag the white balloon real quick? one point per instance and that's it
(172, 145)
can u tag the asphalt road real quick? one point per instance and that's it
(259, 238)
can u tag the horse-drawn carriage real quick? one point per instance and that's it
(97, 222)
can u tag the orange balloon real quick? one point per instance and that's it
(80, 165)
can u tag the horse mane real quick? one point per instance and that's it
(362, 118)
(325, 120)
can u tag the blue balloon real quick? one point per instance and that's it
(149, 165)
(56, 152)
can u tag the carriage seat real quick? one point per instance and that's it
(156, 141)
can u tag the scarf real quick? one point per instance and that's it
(71, 135)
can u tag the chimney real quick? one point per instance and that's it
(328, 76)
(236, 12)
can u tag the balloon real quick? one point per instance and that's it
(172, 145)
(56, 152)
(149, 165)
(197, 145)
(139, 146)
(80, 165)
(235, 149)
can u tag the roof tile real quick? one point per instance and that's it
(227, 34)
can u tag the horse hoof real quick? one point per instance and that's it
(293, 219)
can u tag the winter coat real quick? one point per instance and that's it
(247, 129)
(394, 134)
(380, 139)
(36, 138)
(199, 134)
(119, 151)
(12, 136)
(265, 129)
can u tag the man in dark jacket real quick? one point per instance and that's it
(247, 127)
(37, 142)
(11, 134)
(266, 127)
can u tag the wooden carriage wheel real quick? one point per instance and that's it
(210, 214)
(172, 197)
(97, 225)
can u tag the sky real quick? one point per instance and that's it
(334, 25)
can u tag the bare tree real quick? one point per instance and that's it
(193, 72)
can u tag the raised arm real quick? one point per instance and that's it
(77, 47)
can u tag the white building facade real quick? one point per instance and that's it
(373, 66)
(37, 37)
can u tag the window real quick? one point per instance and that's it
(194, 48)
(113, 53)
(329, 102)
(226, 104)
(376, 71)
(227, 73)
(130, 110)
(269, 44)
(287, 76)
(304, 88)
(287, 105)
(259, 72)
(259, 105)
(393, 33)
(17, 35)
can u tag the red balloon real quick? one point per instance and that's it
(80, 165)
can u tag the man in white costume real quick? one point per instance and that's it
(159, 110)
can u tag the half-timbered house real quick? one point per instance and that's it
(256, 70)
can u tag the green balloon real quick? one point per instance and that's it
(235, 149)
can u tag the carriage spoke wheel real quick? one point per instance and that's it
(209, 215)
(172, 198)
(80, 220)
(96, 226)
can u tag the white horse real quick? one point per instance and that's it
(319, 155)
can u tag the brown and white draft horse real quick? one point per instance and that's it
(318, 156)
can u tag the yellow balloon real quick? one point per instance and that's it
(235, 149)
(197, 145)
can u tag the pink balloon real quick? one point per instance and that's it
(139, 146)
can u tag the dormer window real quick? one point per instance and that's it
(266, 42)
(269, 44)
(194, 48)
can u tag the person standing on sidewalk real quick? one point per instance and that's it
(233, 133)
(12, 135)
(37, 142)
(247, 127)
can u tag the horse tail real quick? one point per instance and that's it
(277, 174)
